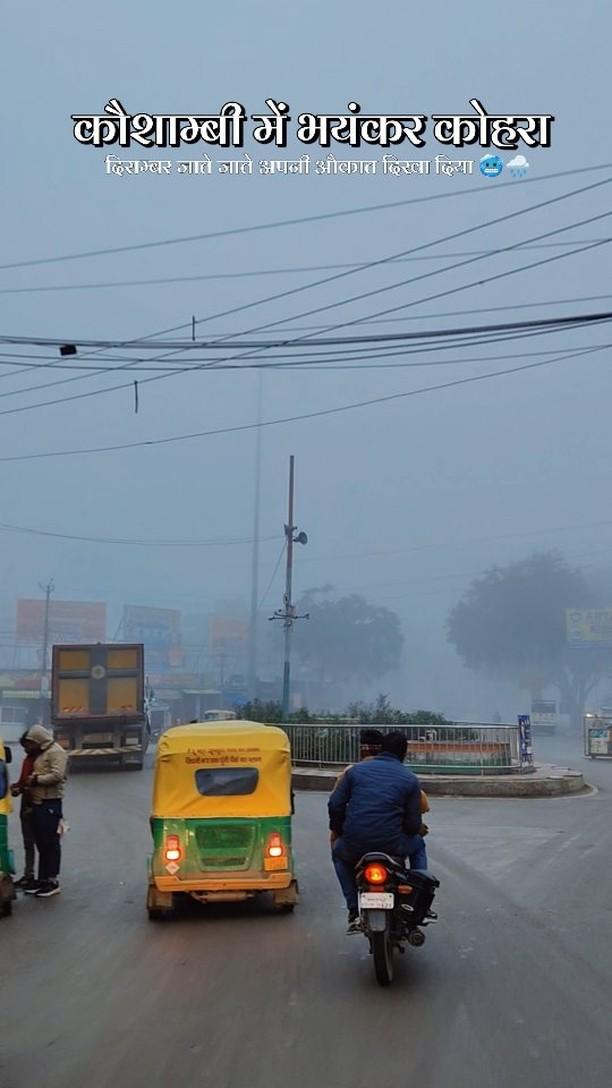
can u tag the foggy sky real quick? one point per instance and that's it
(404, 502)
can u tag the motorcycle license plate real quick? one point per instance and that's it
(376, 901)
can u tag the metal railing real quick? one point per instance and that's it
(462, 748)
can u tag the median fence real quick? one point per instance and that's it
(462, 748)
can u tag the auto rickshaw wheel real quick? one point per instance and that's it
(161, 906)
(161, 914)
(285, 901)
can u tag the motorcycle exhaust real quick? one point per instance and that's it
(416, 938)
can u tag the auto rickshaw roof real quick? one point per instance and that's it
(188, 752)
(182, 737)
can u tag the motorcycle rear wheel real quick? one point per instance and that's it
(382, 951)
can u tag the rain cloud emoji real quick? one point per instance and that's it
(518, 166)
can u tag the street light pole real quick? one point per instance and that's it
(44, 674)
(252, 668)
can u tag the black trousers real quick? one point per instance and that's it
(47, 817)
(27, 832)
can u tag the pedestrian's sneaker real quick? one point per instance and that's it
(26, 884)
(33, 887)
(354, 923)
(46, 890)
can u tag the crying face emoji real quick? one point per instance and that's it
(491, 166)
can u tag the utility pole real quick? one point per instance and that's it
(44, 674)
(287, 614)
(252, 665)
(288, 595)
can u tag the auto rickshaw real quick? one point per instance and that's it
(7, 867)
(221, 817)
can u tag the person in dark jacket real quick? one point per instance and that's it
(46, 788)
(376, 806)
(19, 789)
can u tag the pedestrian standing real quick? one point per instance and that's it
(27, 882)
(46, 787)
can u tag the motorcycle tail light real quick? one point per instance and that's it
(376, 874)
(405, 889)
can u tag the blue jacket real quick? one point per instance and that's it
(376, 805)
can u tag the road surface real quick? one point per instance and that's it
(514, 985)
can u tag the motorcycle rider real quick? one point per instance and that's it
(376, 806)
(370, 745)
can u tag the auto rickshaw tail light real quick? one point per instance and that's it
(173, 848)
(275, 847)
(376, 874)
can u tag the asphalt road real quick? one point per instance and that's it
(514, 985)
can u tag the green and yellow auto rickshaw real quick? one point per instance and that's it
(7, 867)
(221, 816)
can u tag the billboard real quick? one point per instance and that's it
(227, 634)
(160, 631)
(589, 626)
(69, 621)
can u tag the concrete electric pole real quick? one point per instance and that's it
(44, 670)
(287, 614)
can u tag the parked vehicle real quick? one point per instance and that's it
(98, 707)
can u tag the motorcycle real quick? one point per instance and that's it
(394, 907)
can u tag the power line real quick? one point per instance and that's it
(299, 220)
(274, 573)
(305, 416)
(190, 369)
(484, 310)
(359, 268)
(146, 542)
(434, 546)
(252, 274)
(322, 341)
(348, 361)
(368, 294)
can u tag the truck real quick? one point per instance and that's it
(99, 712)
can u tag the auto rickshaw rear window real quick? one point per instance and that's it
(3, 780)
(227, 781)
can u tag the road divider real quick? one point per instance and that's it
(546, 780)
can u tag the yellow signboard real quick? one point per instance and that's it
(589, 625)
(227, 632)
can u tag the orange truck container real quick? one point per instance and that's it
(98, 705)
